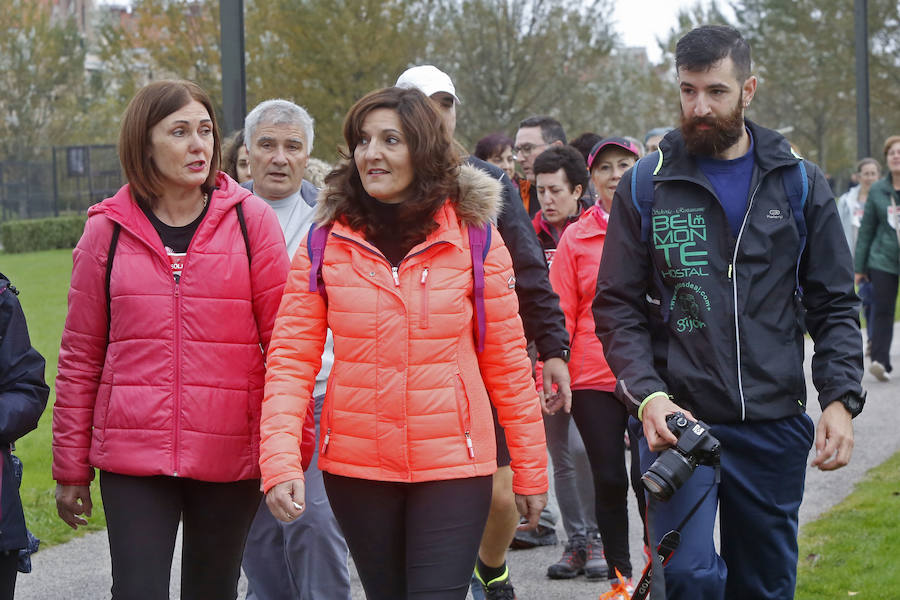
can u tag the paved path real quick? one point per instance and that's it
(80, 569)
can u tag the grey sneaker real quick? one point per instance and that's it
(877, 369)
(572, 562)
(541, 536)
(595, 566)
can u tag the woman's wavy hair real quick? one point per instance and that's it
(435, 163)
(153, 103)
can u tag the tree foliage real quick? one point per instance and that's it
(41, 78)
(326, 55)
(511, 59)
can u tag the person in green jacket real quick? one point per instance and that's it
(877, 257)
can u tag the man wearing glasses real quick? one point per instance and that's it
(535, 135)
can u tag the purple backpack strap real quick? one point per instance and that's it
(479, 244)
(315, 248)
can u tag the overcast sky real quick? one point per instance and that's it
(640, 22)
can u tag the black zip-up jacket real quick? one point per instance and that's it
(542, 317)
(23, 396)
(732, 348)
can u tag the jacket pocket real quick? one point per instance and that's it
(423, 305)
(464, 413)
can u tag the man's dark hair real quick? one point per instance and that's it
(566, 158)
(703, 47)
(585, 142)
(551, 129)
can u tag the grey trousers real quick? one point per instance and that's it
(572, 475)
(302, 560)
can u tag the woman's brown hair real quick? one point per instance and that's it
(434, 157)
(890, 142)
(153, 103)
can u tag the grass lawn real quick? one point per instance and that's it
(848, 551)
(43, 282)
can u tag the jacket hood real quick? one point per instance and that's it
(122, 208)
(771, 151)
(477, 203)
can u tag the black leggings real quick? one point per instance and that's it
(142, 515)
(601, 420)
(412, 540)
(884, 292)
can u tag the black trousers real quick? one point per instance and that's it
(601, 420)
(8, 564)
(884, 300)
(142, 516)
(412, 540)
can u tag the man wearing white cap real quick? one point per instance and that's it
(544, 324)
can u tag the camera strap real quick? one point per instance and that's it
(668, 545)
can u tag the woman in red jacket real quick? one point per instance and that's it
(408, 439)
(175, 285)
(600, 417)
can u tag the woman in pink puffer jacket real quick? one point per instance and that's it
(175, 286)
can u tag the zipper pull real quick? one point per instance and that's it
(325, 441)
(730, 270)
(424, 275)
(396, 276)
(469, 446)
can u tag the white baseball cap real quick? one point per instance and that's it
(428, 79)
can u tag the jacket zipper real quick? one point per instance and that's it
(734, 291)
(465, 416)
(423, 310)
(177, 416)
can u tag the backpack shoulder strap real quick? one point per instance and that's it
(315, 248)
(113, 242)
(642, 196)
(479, 245)
(239, 209)
(642, 190)
(796, 188)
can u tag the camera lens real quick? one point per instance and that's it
(667, 474)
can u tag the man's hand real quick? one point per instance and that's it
(530, 507)
(858, 278)
(286, 501)
(556, 371)
(654, 418)
(834, 438)
(71, 501)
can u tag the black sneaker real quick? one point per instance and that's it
(541, 536)
(497, 589)
(595, 566)
(572, 562)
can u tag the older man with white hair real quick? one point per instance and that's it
(305, 559)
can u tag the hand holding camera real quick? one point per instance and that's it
(695, 446)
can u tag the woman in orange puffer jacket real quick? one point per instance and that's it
(407, 444)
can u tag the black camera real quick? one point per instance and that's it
(696, 446)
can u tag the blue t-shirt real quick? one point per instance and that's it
(731, 181)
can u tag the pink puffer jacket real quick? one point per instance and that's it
(177, 391)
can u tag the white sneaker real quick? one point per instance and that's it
(877, 369)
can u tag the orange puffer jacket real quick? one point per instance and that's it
(407, 399)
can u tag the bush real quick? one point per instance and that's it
(42, 234)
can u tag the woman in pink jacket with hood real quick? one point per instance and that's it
(600, 417)
(175, 285)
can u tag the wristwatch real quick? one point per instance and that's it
(853, 403)
(563, 353)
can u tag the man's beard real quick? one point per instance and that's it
(723, 133)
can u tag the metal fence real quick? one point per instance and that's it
(65, 180)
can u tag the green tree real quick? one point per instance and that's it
(41, 78)
(326, 55)
(511, 59)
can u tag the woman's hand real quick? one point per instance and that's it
(71, 501)
(287, 500)
(530, 507)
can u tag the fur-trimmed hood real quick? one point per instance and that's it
(478, 201)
